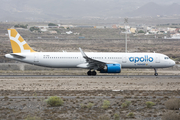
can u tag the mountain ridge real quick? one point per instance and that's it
(33, 10)
(152, 9)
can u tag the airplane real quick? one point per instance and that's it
(104, 62)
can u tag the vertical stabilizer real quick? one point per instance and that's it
(17, 42)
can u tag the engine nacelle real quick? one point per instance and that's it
(111, 68)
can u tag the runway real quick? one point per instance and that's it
(84, 82)
(85, 76)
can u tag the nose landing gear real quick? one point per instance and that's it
(91, 73)
(156, 74)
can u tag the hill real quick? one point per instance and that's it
(153, 9)
(47, 10)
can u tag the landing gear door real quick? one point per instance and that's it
(36, 57)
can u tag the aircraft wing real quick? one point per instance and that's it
(92, 63)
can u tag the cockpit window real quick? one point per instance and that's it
(166, 57)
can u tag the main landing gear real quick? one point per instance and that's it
(93, 73)
(156, 74)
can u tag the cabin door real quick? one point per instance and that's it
(157, 59)
(36, 57)
(124, 59)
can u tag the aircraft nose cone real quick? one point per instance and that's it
(173, 62)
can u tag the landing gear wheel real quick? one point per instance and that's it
(89, 73)
(93, 73)
(156, 74)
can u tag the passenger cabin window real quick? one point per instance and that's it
(60, 57)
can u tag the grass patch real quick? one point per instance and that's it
(83, 105)
(126, 104)
(32, 118)
(116, 116)
(106, 104)
(104, 117)
(130, 115)
(89, 105)
(149, 104)
(55, 101)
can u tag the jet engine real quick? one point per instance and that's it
(111, 68)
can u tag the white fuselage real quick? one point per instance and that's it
(75, 59)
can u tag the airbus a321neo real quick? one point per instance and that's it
(106, 62)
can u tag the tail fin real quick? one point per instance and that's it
(17, 42)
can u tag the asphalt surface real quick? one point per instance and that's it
(85, 76)
(75, 97)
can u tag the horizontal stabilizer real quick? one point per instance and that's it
(18, 56)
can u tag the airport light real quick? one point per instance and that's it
(125, 21)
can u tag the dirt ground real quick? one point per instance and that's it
(24, 97)
(91, 83)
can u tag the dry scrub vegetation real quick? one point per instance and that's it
(173, 104)
(171, 116)
(89, 105)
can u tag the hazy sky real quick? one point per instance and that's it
(60, 9)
